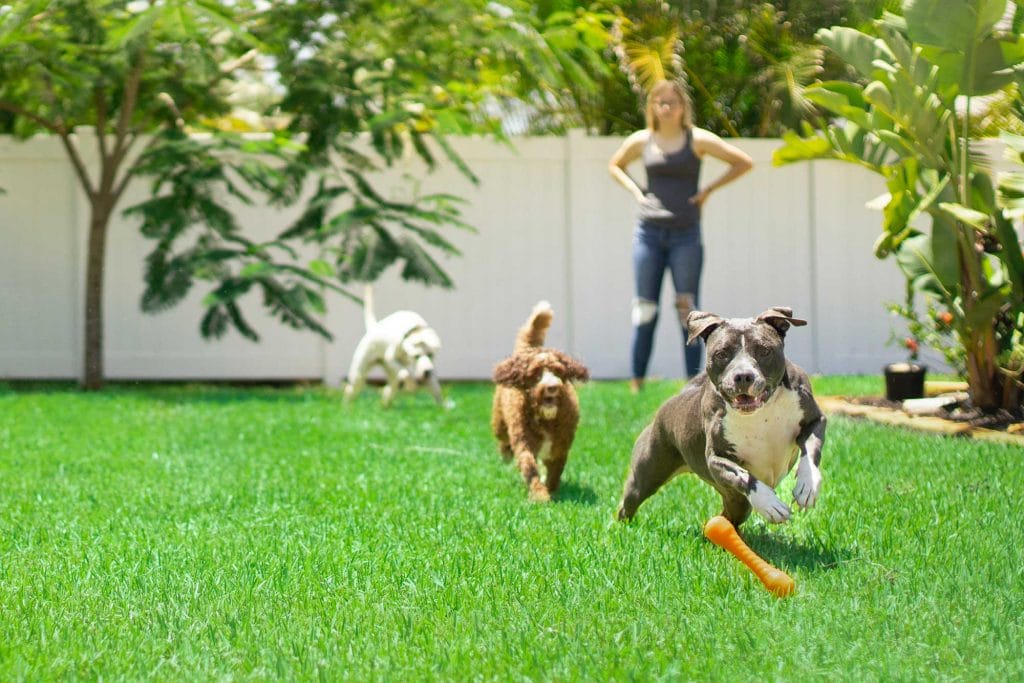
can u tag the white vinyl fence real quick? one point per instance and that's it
(552, 224)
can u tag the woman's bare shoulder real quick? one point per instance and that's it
(631, 147)
(706, 142)
(639, 137)
(702, 135)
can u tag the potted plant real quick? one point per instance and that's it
(905, 380)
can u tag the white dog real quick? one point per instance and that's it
(404, 345)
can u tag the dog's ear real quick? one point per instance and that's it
(780, 317)
(701, 324)
(575, 371)
(432, 339)
(512, 371)
(423, 341)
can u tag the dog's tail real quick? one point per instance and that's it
(532, 334)
(369, 319)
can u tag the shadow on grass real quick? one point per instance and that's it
(783, 552)
(576, 494)
(787, 553)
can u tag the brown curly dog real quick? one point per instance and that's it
(535, 406)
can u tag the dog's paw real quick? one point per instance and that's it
(539, 493)
(621, 515)
(808, 483)
(768, 505)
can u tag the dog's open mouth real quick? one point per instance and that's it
(549, 408)
(748, 403)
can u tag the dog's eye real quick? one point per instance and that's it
(762, 351)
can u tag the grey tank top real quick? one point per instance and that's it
(671, 180)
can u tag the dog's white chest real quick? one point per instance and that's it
(765, 441)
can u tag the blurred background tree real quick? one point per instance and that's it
(747, 64)
(165, 89)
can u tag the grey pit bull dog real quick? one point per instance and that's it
(740, 425)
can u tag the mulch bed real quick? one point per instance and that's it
(960, 420)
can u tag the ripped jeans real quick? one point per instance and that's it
(682, 252)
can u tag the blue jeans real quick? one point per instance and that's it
(654, 250)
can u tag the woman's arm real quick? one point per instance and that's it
(707, 143)
(630, 150)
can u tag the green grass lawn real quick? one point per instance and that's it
(211, 532)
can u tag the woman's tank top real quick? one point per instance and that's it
(671, 180)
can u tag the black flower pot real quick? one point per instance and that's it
(904, 380)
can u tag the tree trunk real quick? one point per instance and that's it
(982, 375)
(1011, 394)
(979, 343)
(95, 259)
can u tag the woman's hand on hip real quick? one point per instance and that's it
(699, 198)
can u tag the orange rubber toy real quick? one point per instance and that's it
(722, 533)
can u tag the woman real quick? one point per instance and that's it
(668, 232)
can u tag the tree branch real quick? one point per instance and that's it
(123, 183)
(128, 102)
(35, 118)
(76, 161)
(101, 121)
(228, 67)
(61, 132)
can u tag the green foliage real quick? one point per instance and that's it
(212, 532)
(901, 120)
(748, 64)
(70, 63)
(197, 238)
(932, 327)
(171, 75)
(420, 73)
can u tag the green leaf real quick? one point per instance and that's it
(796, 148)
(238, 320)
(914, 258)
(951, 24)
(214, 323)
(846, 101)
(945, 255)
(256, 270)
(419, 266)
(984, 309)
(1010, 254)
(321, 268)
(878, 95)
(976, 219)
(1013, 142)
(896, 142)
(856, 48)
(981, 69)
(983, 195)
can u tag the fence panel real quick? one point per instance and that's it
(551, 225)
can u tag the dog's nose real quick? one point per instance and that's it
(550, 389)
(743, 379)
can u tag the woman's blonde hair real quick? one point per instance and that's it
(677, 87)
